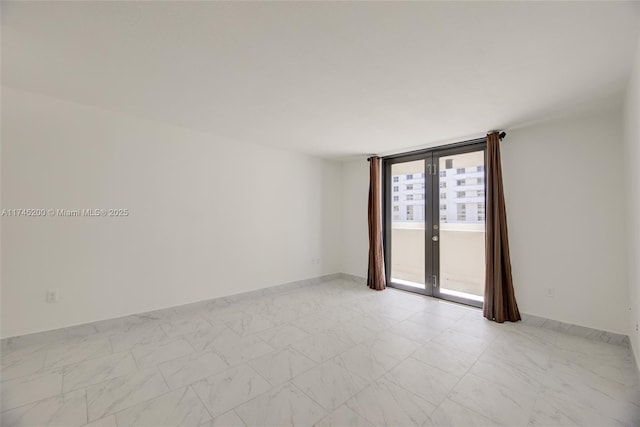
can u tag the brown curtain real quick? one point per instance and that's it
(375, 275)
(499, 298)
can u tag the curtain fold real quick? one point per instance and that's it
(375, 275)
(499, 297)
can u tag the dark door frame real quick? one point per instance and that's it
(426, 157)
(432, 212)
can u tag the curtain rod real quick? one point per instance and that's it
(501, 135)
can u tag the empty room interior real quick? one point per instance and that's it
(321, 213)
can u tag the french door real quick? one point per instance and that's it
(434, 222)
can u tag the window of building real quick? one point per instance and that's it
(480, 168)
(443, 218)
(461, 182)
(443, 174)
(409, 176)
(396, 179)
(443, 184)
(460, 194)
(481, 212)
(396, 198)
(396, 188)
(396, 208)
(462, 212)
(443, 207)
(409, 213)
(409, 186)
(460, 170)
(448, 163)
(443, 195)
(480, 193)
(409, 196)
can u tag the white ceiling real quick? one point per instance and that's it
(329, 79)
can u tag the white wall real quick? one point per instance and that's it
(563, 185)
(565, 205)
(355, 233)
(632, 157)
(208, 217)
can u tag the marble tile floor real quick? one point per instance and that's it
(330, 354)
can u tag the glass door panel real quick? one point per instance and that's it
(408, 213)
(435, 222)
(461, 243)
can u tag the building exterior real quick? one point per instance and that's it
(462, 196)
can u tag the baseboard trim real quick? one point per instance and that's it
(83, 329)
(357, 279)
(529, 319)
(576, 330)
(285, 287)
(555, 325)
(636, 357)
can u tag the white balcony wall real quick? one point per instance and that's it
(462, 260)
(461, 256)
(407, 262)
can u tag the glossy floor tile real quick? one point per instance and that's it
(122, 392)
(233, 387)
(180, 407)
(283, 406)
(191, 368)
(327, 354)
(281, 366)
(329, 384)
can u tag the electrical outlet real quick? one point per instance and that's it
(52, 296)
